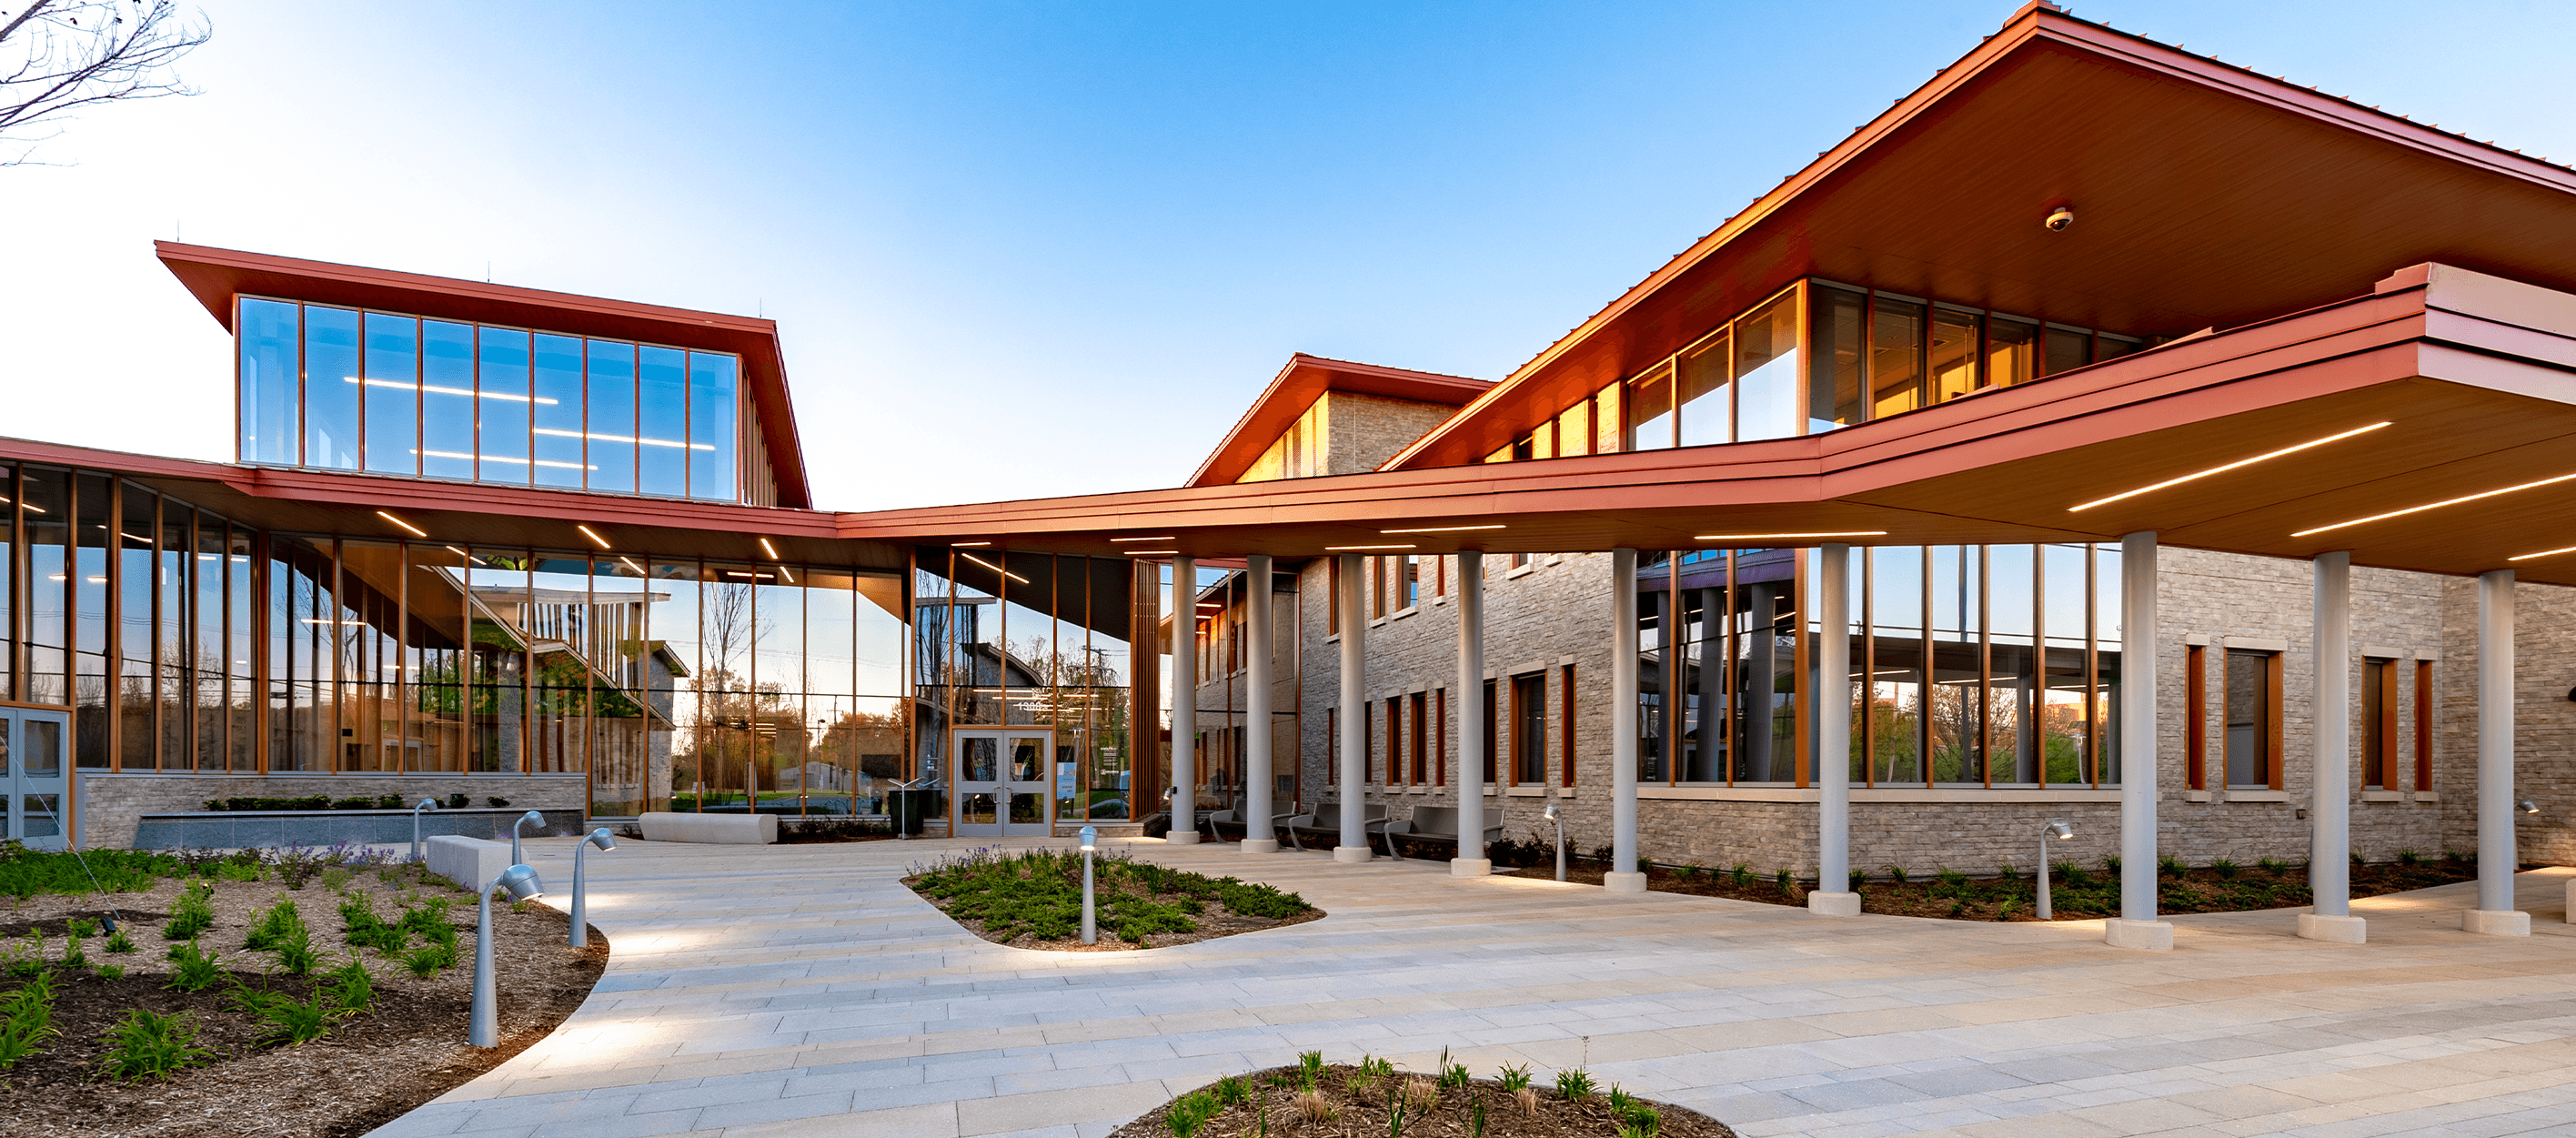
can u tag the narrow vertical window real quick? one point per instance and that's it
(331, 386)
(1565, 727)
(2012, 350)
(1332, 745)
(269, 369)
(2065, 349)
(714, 438)
(1954, 354)
(1707, 400)
(2195, 717)
(1377, 587)
(1440, 739)
(1491, 746)
(1332, 596)
(1895, 357)
(2423, 725)
(392, 361)
(2253, 719)
(2378, 723)
(1394, 740)
(1835, 359)
(1529, 729)
(1607, 416)
(1421, 774)
(1650, 410)
(1408, 581)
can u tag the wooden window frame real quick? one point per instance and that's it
(1440, 739)
(2195, 717)
(2383, 672)
(1495, 774)
(1565, 729)
(1520, 716)
(2272, 668)
(1333, 595)
(1394, 740)
(1332, 745)
(2423, 725)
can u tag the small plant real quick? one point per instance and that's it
(1310, 1067)
(350, 986)
(26, 1019)
(83, 928)
(148, 1046)
(73, 957)
(2073, 874)
(1527, 1099)
(2111, 864)
(2455, 857)
(1742, 875)
(1314, 1107)
(2005, 870)
(193, 914)
(1786, 881)
(336, 879)
(1574, 1085)
(1420, 1095)
(111, 971)
(1515, 1078)
(1949, 880)
(2225, 869)
(1231, 1090)
(1453, 1076)
(2271, 865)
(197, 970)
(427, 960)
(1476, 1118)
(1377, 1068)
(26, 959)
(495, 802)
(289, 1020)
(2356, 858)
(1189, 1113)
(119, 942)
(1896, 873)
(1958, 906)
(2005, 911)
(1857, 876)
(2171, 866)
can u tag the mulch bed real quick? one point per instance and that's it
(1993, 898)
(1366, 1109)
(1216, 921)
(406, 1049)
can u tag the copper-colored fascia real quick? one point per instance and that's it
(2205, 196)
(323, 502)
(1296, 388)
(2478, 376)
(215, 276)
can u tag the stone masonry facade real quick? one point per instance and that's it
(111, 805)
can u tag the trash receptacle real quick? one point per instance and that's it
(905, 806)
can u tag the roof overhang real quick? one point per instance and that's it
(2475, 375)
(1296, 388)
(216, 276)
(2205, 196)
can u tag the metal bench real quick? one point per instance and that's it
(1325, 822)
(1434, 825)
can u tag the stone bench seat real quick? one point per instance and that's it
(711, 829)
(1324, 824)
(1432, 825)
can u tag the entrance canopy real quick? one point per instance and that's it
(2429, 426)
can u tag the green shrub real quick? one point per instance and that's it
(351, 988)
(197, 970)
(1574, 1085)
(26, 1019)
(1515, 1078)
(1189, 1113)
(2225, 869)
(149, 1046)
(119, 942)
(1741, 875)
(192, 914)
(428, 959)
(26, 956)
(1453, 1076)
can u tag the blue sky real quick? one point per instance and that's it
(1035, 249)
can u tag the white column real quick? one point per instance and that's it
(1258, 834)
(1833, 736)
(1469, 700)
(1622, 876)
(1185, 701)
(2137, 926)
(2496, 856)
(1354, 727)
(2329, 916)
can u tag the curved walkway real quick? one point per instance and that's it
(802, 990)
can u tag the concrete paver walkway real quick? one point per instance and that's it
(803, 990)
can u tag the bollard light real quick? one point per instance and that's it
(425, 804)
(1090, 921)
(606, 841)
(517, 858)
(484, 1028)
(1551, 815)
(2060, 830)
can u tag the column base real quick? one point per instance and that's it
(1260, 845)
(2148, 936)
(1353, 855)
(2571, 902)
(1471, 867)
(1624, 882)
(1182, 837)
(1824, 904)
(2496, 922)
(2333, 930)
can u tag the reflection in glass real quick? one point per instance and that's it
(1706, 412)
(662, 434)
(2012, 348)
(711, 425)
(503, 405)
(392, 394)
(612, 416)
(447, 399)
(331, 387)
(1766, 372)
(47, 499)
(1954, 353)
(1650, 410)
(555, 409)
(1895, 357)
(269, 358)
(1834, 388)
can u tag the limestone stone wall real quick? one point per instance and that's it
(111, 804)
(2544, 645)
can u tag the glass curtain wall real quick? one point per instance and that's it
(1718, 651)
(1032, 640)
(185, 642)
(392, 393)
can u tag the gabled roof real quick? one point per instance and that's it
(2205, 195)
(215, 276)
(1296, 387)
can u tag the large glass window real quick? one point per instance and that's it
(2253, 698)
(391, 393)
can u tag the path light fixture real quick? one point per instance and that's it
(517, 858)
(580, 935)
(484, 1030)
(1090, 921)
(2527, 806)
(2060, 830)
(425, 804)
(1552, 815)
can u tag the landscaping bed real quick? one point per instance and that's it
(1372, 1098)
(2076, 892)
(1033, 899)
(384, 1045)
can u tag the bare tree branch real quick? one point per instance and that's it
(58, 56)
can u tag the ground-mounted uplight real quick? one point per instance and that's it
(1090, 919)
(425, 804)
(484, 1030)
(517, 858)
(1552, 815)
(580, 935)
(2057, 829)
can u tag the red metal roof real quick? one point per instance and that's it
(215, 276)
(1297, 386)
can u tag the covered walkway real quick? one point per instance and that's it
(804, 990)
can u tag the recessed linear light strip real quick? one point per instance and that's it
(995, 568)
(435, 389)
(598, 437)
(1783, 536)
(1443, 529)
(416, 531)
(2230, 466)
(464, 457)
(1165, 537)
(1153, 552)
(593, 535)
(2544, 553)
(767, 548)
(1361, 548)
(2436, 505)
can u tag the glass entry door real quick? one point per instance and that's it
(32, 770)
(1001, 783)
